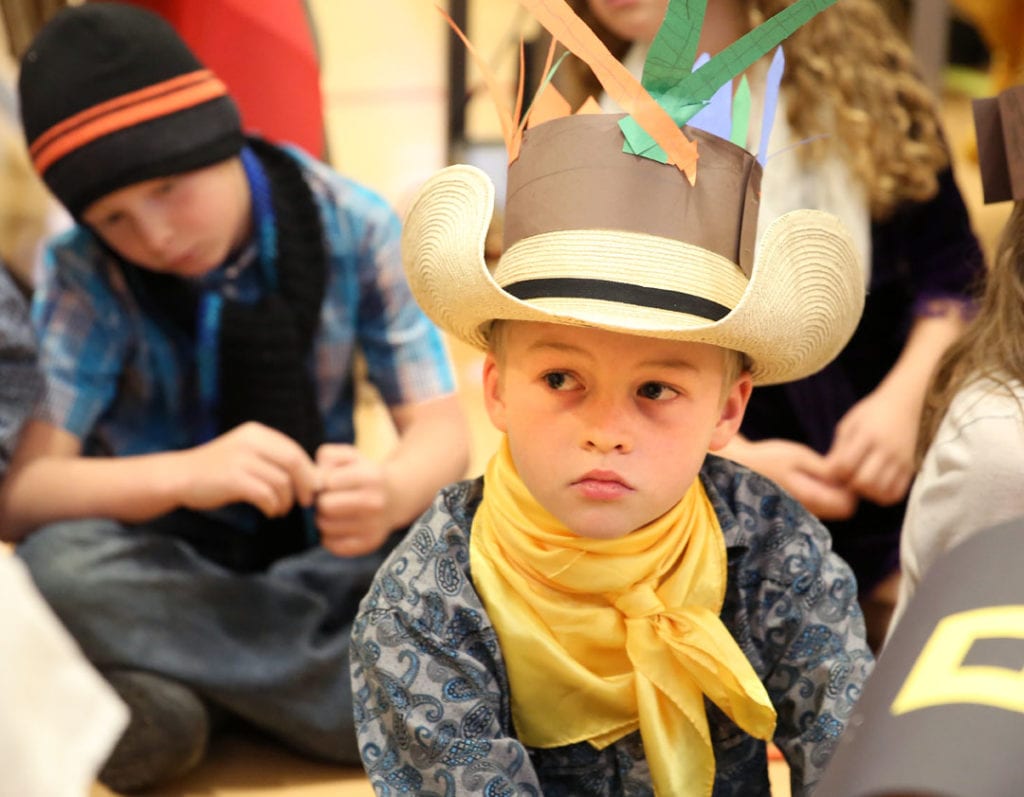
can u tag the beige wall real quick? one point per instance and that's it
(384, 81)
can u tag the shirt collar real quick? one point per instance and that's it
(232, 269)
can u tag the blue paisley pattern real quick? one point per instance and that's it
(431, 690)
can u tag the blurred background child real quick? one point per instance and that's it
(194, 458)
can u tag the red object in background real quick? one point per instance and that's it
(266, 54)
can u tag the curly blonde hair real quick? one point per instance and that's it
(849, 72)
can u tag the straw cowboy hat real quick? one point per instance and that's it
(598, 237)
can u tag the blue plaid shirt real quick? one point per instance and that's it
(118, 382)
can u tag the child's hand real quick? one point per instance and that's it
(352, 510)
(873, 448)
(252, 463)
(801, 471)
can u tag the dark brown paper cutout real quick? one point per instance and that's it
(999, 125)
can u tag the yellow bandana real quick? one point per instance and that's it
(602, 637)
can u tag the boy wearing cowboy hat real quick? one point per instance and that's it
(612, 609)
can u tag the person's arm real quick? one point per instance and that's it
(873, 448)
(969, 481)
(939, 263)
(408, 364)
(431, 703)
(363, 501)
(50, 480)
(813, 644)
(799, 470)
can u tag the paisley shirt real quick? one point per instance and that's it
(431, 692)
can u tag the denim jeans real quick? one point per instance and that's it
(270, 646)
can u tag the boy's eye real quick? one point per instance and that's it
(656, 391)
(112, 220)
(559, 380)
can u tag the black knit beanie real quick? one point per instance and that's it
(111, 96)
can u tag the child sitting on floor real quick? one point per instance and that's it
(188, 496)
(612, 610)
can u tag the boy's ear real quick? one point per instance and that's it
(734, 404)
(493, 400)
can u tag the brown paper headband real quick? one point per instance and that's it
(999, 124)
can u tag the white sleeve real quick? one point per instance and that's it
(970, 480)
(60, 719)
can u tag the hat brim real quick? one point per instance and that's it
(798, 310)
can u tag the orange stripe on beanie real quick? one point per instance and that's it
(139, 106)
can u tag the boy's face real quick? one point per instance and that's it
(185, 224)
(608, 430)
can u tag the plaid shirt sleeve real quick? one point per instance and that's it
(406, 357)
(20, 381)
(405, 353)
(82, 331)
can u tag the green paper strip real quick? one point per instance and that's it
(741, 114)
(738, 56)
(674, 48)
(689, 93)
(543, 85)
(641, 143)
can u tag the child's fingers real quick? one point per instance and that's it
(350, 504)
(825, 500)
(268, 492)
(277, 450)
(305, 477)
(845, 458)
(331, 455)
(351, 540)
(804, 459)
(310, 485)
(882, 480)
(354, 477)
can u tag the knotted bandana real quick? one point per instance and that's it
(602, 637)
